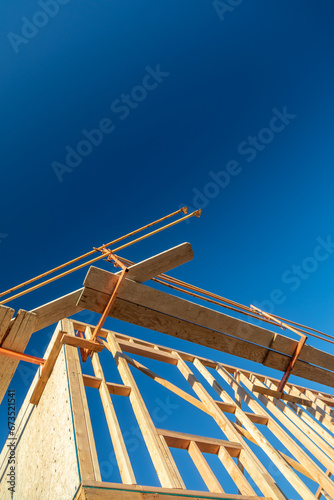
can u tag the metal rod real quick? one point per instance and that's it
(183, 209)
(21, 356)
(197, 212)
(106, 311)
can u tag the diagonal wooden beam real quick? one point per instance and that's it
(66, 306)
(161, 263)
(6, 314)
(48, 367)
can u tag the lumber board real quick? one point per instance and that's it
(93, 490)
(16, 339)
(47, 368)
(317, 433)
(182, 440)
(116, 436)
(190, 357)
(293, 463)
(165, 383)
(226, 407)
(235, 472)
(165, 467)
(285, 438)
(113, 388)
(148, 352)
(6, 314)
(66, 306)
(148, 315)
(118, 389)
(161, 263)
(58, 309)
(85, 443)
(248, 459)
(80, 342)
(203, 468)
(260, 439)
(91, 381)
(280, 395)
(143, 295)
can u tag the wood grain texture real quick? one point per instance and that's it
(150, 308)
(54, 311)
(16, 339)
(6, 314)
(48, 366)
(87, 456)
(161, 263)
(161, 458)
(121, 453)
(103, 491)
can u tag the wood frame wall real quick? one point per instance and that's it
(302, 420)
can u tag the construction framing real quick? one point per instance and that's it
(252, 410)
(305, 414)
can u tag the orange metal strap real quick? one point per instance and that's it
(111, 301)
(298, 349)
(21, 356)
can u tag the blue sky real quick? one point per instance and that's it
(228, 111)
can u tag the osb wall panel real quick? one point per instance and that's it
(46, 464)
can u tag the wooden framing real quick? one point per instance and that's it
(121, 453)
(293, 427)
(87, 456)
(15, 338)
(312, 439)
(157, 310)
(162, 460)
(104, 491)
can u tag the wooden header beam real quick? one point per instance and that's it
(159, 311)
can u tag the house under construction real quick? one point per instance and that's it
(277, 437)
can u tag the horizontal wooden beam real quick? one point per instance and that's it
(78, 325)
(151, 308)
(116, 389)
(93, 490)
(80, 342)
(66, 306)
(281, 395)
(91, 381)
(253, 417)
(160, 263)
(205, 444)
(148, 352)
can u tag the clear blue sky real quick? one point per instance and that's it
(228, 111)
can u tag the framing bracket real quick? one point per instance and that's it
(111, 301)
(297, 351)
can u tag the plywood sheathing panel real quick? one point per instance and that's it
(46, 465)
